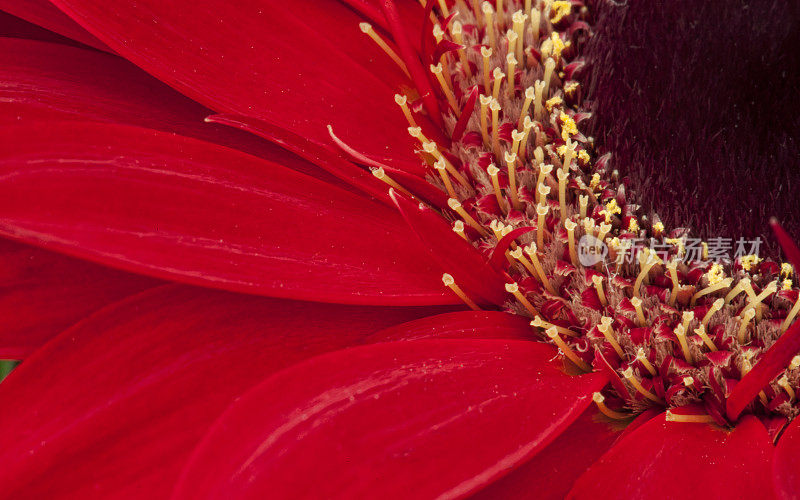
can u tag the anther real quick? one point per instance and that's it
(541, 212)
(517, 254)
(458, 228)
(416, 133)
(544, 171)
(795, 363)
(531, 250)
(402, 101)
(636, 302)
(569, 153)
(527, 125)
(744, 322)
(511, 161)
(536, 21)
(430, 148)
(680, 333)
(486, 53)
(450, 283)
(642, 358)
(599, 400)
(604, 229)
(516, 138)
(631, 378)
(456, 206)
(380, 174)
(701, 332)
(366, 28)
(552, 333)
(608, 332)
(597, 281)
(448, 92)
(513, 289)
(530, 94)
(687, 317)
(716, 306)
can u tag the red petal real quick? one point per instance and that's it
(453, 254)
(787, 463)
(551, 473)
(113, 407)
(183, 209)
(44, 293)
(302, 64)
(460, 325)
(44, 14)
(683, 460)
(393, 420)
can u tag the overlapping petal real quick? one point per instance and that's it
(390, 420)
(459, 325)
(113, 406)
(664, 459)
(179, 208)
(42, 293)
(786, 467)
(301, 65)
(43, 13)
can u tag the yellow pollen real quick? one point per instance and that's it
(636, 302)
(571, 87)
(716, 306)
(740, 287)
(513, 289)
(495, 107)
(450, 283)
(538, 322)
(552, 333)
(488, 13)
(658, 228)
(748, 261)
(705, 249)
(366, 28)
(633, 225)
(701, 332)
(519, 19)
(744, 321)
(458, 228)
(380, 174)
(599, 400)
(558, 44)
(549, 66)
(455, 205)
(786, 270)
(570, 226)
(689, 418)
(786, 284)
(719, 285)
(784, 383)
(631, 378)
(584, 156)
(448, 92)
(612, 207)
(531, 250)
(608, 332)
(792, 313)
(559, 10)
(402, 101)
(459, 39)
(642, 358)
(597, 281)
(680, 333)
(595, 181)
(442, 169)
(486, 53)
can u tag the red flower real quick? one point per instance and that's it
(330, 360)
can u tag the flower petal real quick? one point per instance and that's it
(787, 463)
(44, 293)
(664, 459)
(182, 209)
(113, 407)
(459, 325)
(301, 65)
(43, 13)
(409, 419)
(552, 471)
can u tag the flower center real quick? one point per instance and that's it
(675, 321)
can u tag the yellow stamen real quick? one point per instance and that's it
(455, 205)
(688, 381)
(688, 317)
(448, 92)
(672, 267)
(549, 66)
(746, 367)
(430, 148)
(597, 281)
(588, 226)
(570, 226)
(583, 202)
(511, 63)
(530, 94)
(689, 418)
(366, 28)
(608, 332)
(450, 283)
(536, 21)
(541, 212)
(495, 107)
(642, 358)
(443, 6)
(516, 137)
(498, 76)
(544, 171)
(485, 101)
(458, 228)
(740, 287)
(488, 12)
(511, 161)
(552, 333)
(501, 18)
(650, 260)
(790, 317)
(604, 229)
(725, 283)
(380, 174)
(538, 88)
(701, 332)
(599, 400)
(531, 251)
(744, 321)
(486, 53)
(562, 175)
(416, 133)
(716, 306)
(784, 383)
(754, 304)
(795, 363)
(492, 170)
(569, 153)
(636, 302)
(538, 322)
(680, 333)
(462, 55)
(513, 289)
(519, 26)
(442, 169)
(402, 101)
(527, 125)
(631, 378)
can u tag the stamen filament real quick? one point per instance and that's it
(492, 170)
(530, 94)
(792, 313)
(544, 171)
(711, 289)
(380, 174)
(516, 138)
(498, 76)
(455, 205)
(768, 290)
(513, 289)
(511, 161)
(442, 169)
(402, 101)
(486, 53)
(740, 287)
(538, 109)
(450, 283)
(495, 107)
(608, 332)
(511, 63)
(597, 281)
(562, 175)
(366, 28)
(485, 101)
(630, 377)
(448, 92)
(538, 322)
(636, 302)
(599, 400)
(462, 56)
(458, 228)
(519, 25)
(645, 269)
(430, 148)
(672, 267)
(531, 251)
(744, 322)
(642, 358)
(680, 333)
(552, 333)
(716, 306)
(570, 226)
(701, 332)
(583, 202)
(488, 13)
(549, 66)
(689, 418)
(784, 383)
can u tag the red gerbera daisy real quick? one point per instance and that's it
(436, 158)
